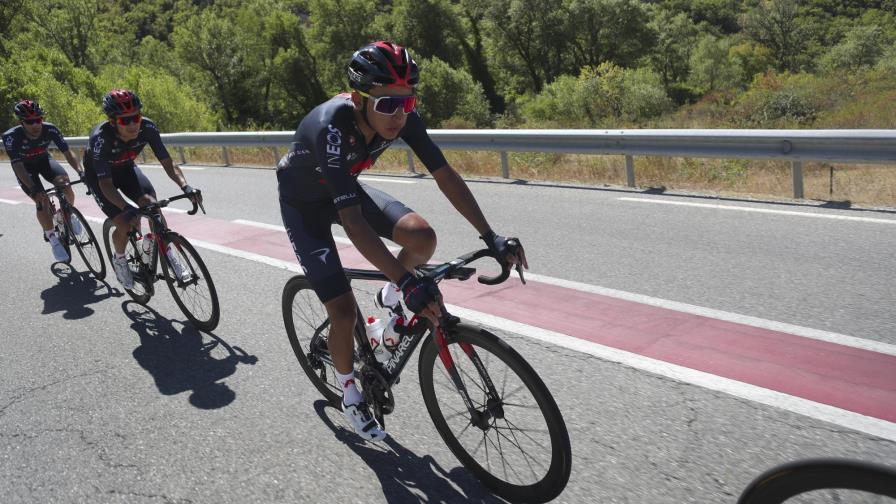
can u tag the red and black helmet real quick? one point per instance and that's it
(120, 102)
(382, 64)
(28, 109)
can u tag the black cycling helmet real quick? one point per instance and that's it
(28, 109)
(382, 64)
(121, 101)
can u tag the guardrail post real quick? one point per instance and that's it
(796, 169)
(226, 156)
(411, 162)
(630, 171)
(276, 155)
(505, 165)
(183, 157)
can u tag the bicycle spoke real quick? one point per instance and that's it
(526, 456)
(514, 428)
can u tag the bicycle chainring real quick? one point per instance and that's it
(377, 391)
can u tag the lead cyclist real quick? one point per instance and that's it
(318, 186)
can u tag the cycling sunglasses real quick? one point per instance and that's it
(39, 120)
(124, 121)
(387, 105)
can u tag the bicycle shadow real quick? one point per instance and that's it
(182, 360)
(75, 290)
(404, 475)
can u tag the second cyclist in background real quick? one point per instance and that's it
(110, 168)
(26, 145)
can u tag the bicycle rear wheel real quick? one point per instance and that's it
(782, 482)
(193, 291)
(86, 243)
(308, 328)
(143, 290)
(516, 443)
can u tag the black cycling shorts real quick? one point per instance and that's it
(308, 228)
(47, 168)
(128, 179)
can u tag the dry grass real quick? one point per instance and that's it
(873, 185)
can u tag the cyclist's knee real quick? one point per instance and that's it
(146, 199)
(414, 232)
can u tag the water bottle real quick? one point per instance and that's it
(147, 244)
(375, 329)
(58, 220)
(390, 337)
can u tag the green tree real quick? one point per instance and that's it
(448, 93)
(860, 48)
(675, 38)
(529, 40)
(427, 27)
(337, 29)
(711, 68)
(214, 47)
(607, 30)
(777, 25)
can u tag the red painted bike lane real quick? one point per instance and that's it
(852, 379)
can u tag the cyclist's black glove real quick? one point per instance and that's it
(187, 189)
(129, 212)
(500, 246)
(418, 292)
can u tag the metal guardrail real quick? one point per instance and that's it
(795, 146)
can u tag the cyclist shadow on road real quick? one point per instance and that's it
(182, 360)
(404, 475)
(75, 290)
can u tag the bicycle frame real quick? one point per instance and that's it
(157, 230)
(418, 328)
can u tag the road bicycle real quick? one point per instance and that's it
(67, 220)
(183, 270)
(793, 479)
(488, 404)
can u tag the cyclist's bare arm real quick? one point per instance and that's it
(369, 243)
(111, 193)
(19, 168)
(176, 174)
(73, 161)
(455, 189)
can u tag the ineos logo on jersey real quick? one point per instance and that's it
(98, 146)
(8, 142)
(334, 140)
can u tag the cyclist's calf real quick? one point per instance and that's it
(342, 311)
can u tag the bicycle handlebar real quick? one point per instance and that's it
(442, 270)
(152, 207)
(56, 188)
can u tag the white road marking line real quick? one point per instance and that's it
(806, 332)
(10, 202)
(762, 210)
(182, 167)
(381, 179)
(818, 411)
(276, 227)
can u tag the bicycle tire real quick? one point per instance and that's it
(96, 264)
(555, 478)
(321, 373)
(208, 320)
(788, 480)
(143, 290)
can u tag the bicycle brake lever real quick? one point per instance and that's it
(519, 270)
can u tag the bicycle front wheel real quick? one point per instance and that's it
(515, 441)
(308, 328)
(780, 483)
(190, 282)
(86, 243)
(143, 290)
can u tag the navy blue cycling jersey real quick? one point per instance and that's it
(105, 151)
(27, 150)
(328, 153)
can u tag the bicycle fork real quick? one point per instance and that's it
(493, 405)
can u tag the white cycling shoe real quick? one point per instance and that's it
(59, 252)
(358, 415)
(123, 272)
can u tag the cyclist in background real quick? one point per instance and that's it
(109, 167)
(26, 145)
(318, 186)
